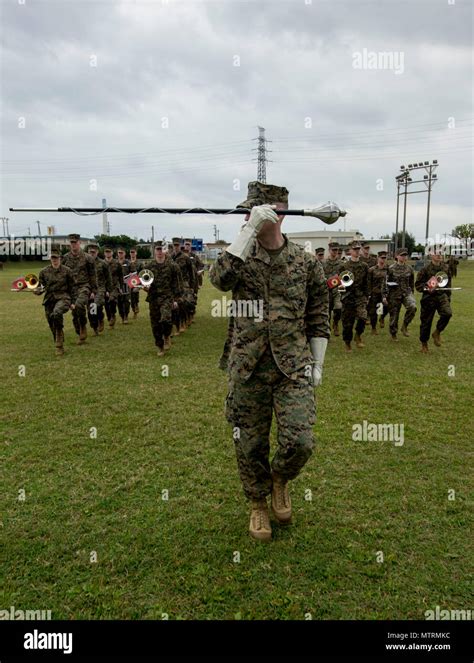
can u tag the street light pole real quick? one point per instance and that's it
(405, 212)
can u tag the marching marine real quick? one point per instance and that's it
(85, 284)
(135, 266)
(378, 291)
(367, 257)
(57, 283)
(276, 358)
(116, 280)
(104, 284)
(433, 299)
(332, 266)
(403, 276)
(354, 298)
(184, 262)
(123, 302)
(163, 296)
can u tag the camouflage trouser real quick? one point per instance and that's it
(429, 305)
(228, 342)
(249, 408)
(123, 305)
(111, 304)
(373, 306)
(160, 318)
(335, 304)
(189, 301)
(80, 298)
(54, 310)
(135, 299)
(394, 306)
(95, 311)
(352, 311)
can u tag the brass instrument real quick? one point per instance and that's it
(32, 281)
(347, 279)
(146, 277)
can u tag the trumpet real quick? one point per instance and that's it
(28, 283)
(347, 279)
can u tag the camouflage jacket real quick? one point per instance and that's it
(135, 265)
(116, 275)
(104, 281)
(360, 287)
(370, 260)
(404, 276)
(378, 281)
(167, 283)
(293, 301)
(198, 265)
(126, 270)
(83, 269)
(424, 276)
(186, 266)
(332, 267)
(58, 283)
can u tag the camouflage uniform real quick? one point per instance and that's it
(165, 289)
(399, 294)
(59, 290)
(432, 302)
(135, 266)
(199, 267)
(378, 291)
(333, 267)
(369, 260)
(186, 266)
(354, 300)
(269, 359)
(85, 282)
(123, 303)
(224, 358)
(104, 284)
(116, 279)
(453, 266)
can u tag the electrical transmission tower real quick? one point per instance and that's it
(262, 155)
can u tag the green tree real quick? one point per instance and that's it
(465, 232)
(409, 241)
(115, 240)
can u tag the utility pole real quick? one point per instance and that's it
(262, 155)
(152, 242)
(105, 221)
(39, 229)
(3, 223)
(215, 233)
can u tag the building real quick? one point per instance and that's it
(312, 239)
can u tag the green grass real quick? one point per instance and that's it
(159, 433)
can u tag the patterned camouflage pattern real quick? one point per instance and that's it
(436, 301)
(354, 300)
(59, 286)
(187, 305)
(116, 279)
(166, 288)
(378, 293)
(104, 285)
(295, 306)
(224, 358)
(333, 267)
(82, 266)
(249, 408)
(369, 260)
(260, 194)
(401, 294)
(135, 266)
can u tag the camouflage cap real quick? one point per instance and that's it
(108, 248)
(176, 240)
(382, 254)
(334, 245)
(366, 244)
(402, 251)
(188, 241)
(159, 244)
(260, 194)
(74, 237)
(120, 248)
(320, 249)
(92, 246)
(355, 244)
(55, 251)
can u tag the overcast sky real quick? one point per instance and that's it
(157, 102)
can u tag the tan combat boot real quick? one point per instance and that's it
(436, 336)
(382, 323)
(335, 328)
(404, 330)
(281, 501)
(161, 352)
(82, 335)
(359, 342)
(101, 326)
(260, 527)
(424, 348)
(394, 338)
(348, 347)
(182, 328)
(112, 321)
(374, 331)
(167, 345)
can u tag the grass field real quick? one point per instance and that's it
(106, 496)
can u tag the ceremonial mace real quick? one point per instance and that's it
(328, 213)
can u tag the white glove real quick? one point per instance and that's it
(318, 350)
(242, 244)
